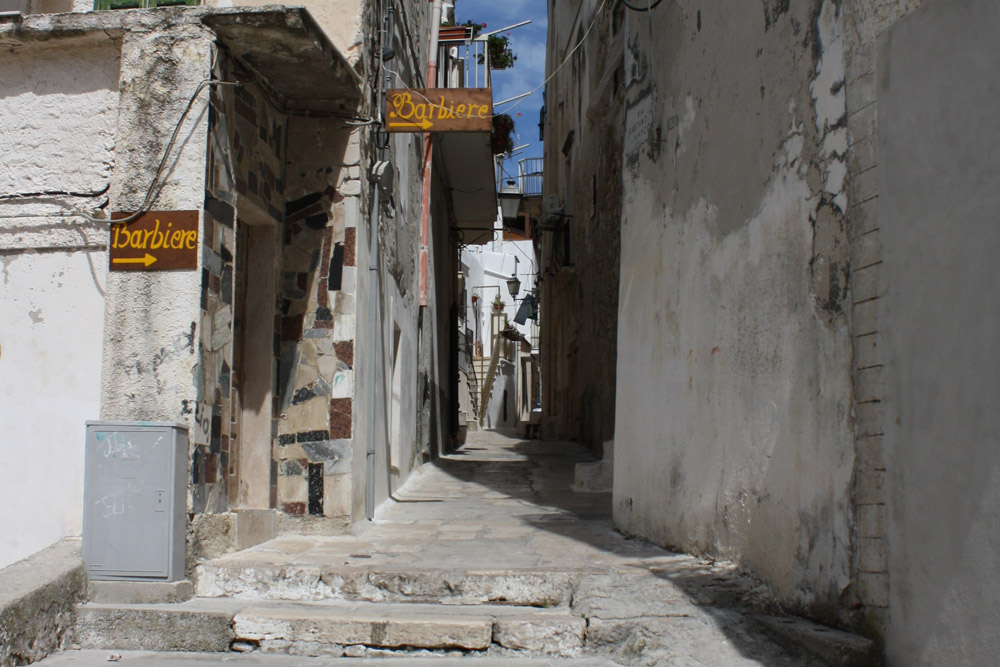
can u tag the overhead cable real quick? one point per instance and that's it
(648, 6)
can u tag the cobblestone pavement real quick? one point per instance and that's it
(505, 504)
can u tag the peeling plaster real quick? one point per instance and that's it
(732, 301)
(830, 101)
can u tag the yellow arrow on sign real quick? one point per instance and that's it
(424, 124)
(147, 260)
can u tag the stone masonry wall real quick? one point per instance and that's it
(317, 325)
(585, 106)
(865, 20)
(304, 174)
(246, 159)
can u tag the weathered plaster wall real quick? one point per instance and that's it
(434, 385)
(397, 443)
(866, 20)
(583, 138)
(939, 191)
(340, 19)
(52, 276)
(488, 268)
(733, 430)
(152, 319)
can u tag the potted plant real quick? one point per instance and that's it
(501, 140)
(510, 332)
(498, 304)
(498, 46)
(501, 55)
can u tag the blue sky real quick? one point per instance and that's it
(528, 42)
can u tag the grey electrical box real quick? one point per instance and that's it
(21, 6)
(134, 489)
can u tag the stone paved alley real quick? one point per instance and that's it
(491, 536)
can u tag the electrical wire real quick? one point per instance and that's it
(54, 193)
(593, 22)
(534, 90)
(148, 200)
(648, 7)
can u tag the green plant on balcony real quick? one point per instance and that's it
(473, 25)
(498, 46)
(501, 55)
(501, 139)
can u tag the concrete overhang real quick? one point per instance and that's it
(283, 47)
(288, 50)
(468, 163)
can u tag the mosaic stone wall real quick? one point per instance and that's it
(309, 180)
(318, 287)
(246, 156)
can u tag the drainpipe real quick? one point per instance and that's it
(425, 209)
(374, 342)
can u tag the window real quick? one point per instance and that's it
(135, 4)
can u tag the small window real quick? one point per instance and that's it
(136, 4)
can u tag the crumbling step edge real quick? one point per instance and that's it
(834, 647)
(254, 581)
(328, 628)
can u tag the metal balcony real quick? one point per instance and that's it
(463, 62)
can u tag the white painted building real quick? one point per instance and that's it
(486, 271)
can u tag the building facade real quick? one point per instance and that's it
(803, 187)
(296, 329)
(579, 234)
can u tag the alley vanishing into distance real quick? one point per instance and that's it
(583, 332)
(486, 552)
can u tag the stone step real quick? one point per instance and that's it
(538, 587)
(832, 646)
(203, 626)
(330, 628)
(95, 658)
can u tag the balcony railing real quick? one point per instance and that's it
(463, 61)
(529, 176)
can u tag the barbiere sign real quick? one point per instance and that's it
(155, 241)
(439, 110)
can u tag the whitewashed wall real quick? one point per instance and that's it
(487, 269)
(58, 108)
(732, 432)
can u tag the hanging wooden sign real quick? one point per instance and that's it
(439, 109)
(155, 241)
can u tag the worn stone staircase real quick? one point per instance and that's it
(349, 612)
(489, 553)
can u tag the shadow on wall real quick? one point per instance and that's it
(548, 473)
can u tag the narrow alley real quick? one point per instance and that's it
(561, 332)
(487, 552)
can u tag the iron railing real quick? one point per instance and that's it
(463, 62)
(529, 176)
